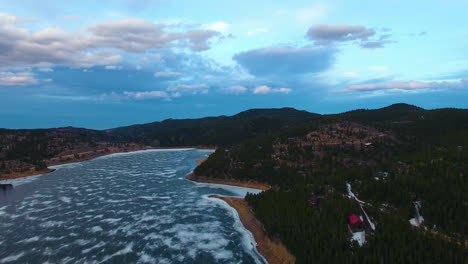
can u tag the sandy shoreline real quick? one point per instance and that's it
(232, 182)
(16, 175)
(274, 252)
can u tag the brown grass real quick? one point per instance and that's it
(15, 175)
(232, 182)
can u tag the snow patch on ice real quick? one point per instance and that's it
(127, 249)
(65, 199)
(248, 241)
(21, 181)
(12, 258)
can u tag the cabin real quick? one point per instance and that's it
(355, 223)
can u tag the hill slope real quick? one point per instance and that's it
(390, 157)
(214, 131)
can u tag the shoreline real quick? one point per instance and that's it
(50, 163)
(17, 175)
(273, 251)
(231, 182)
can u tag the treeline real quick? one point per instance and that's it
(319, 234)
(424, 158)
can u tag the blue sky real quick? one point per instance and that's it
(103, 64)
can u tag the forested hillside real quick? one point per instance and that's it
(214, 131)
(391, 157)
(30, 150)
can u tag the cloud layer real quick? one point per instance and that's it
(407, 86)
(97, 45)
(285, 60)
(167, 75)
(263, 89)
(324, 34)
(17, 79)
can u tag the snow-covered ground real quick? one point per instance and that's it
(415, 223)
(360, 237)
(351, 194)
(371, 224)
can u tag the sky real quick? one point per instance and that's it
(109, 63)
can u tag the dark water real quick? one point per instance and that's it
(124, 208)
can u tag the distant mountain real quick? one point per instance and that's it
(33, 146)
(395, 112)
(221, 130)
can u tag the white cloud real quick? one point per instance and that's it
(147, 95)
(139, 35)
(187, 87)
(97, 45)
(8, 19)
(282, 90)
(167, 74)
(262, 90)
(218, 26)
(236, 89)
(406, 86)
(17, 79)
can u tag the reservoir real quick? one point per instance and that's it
(123, 208)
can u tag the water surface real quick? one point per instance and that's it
(123, 208)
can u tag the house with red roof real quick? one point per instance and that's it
(355, 223)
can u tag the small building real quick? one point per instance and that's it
(356, 228)
(355, 223)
